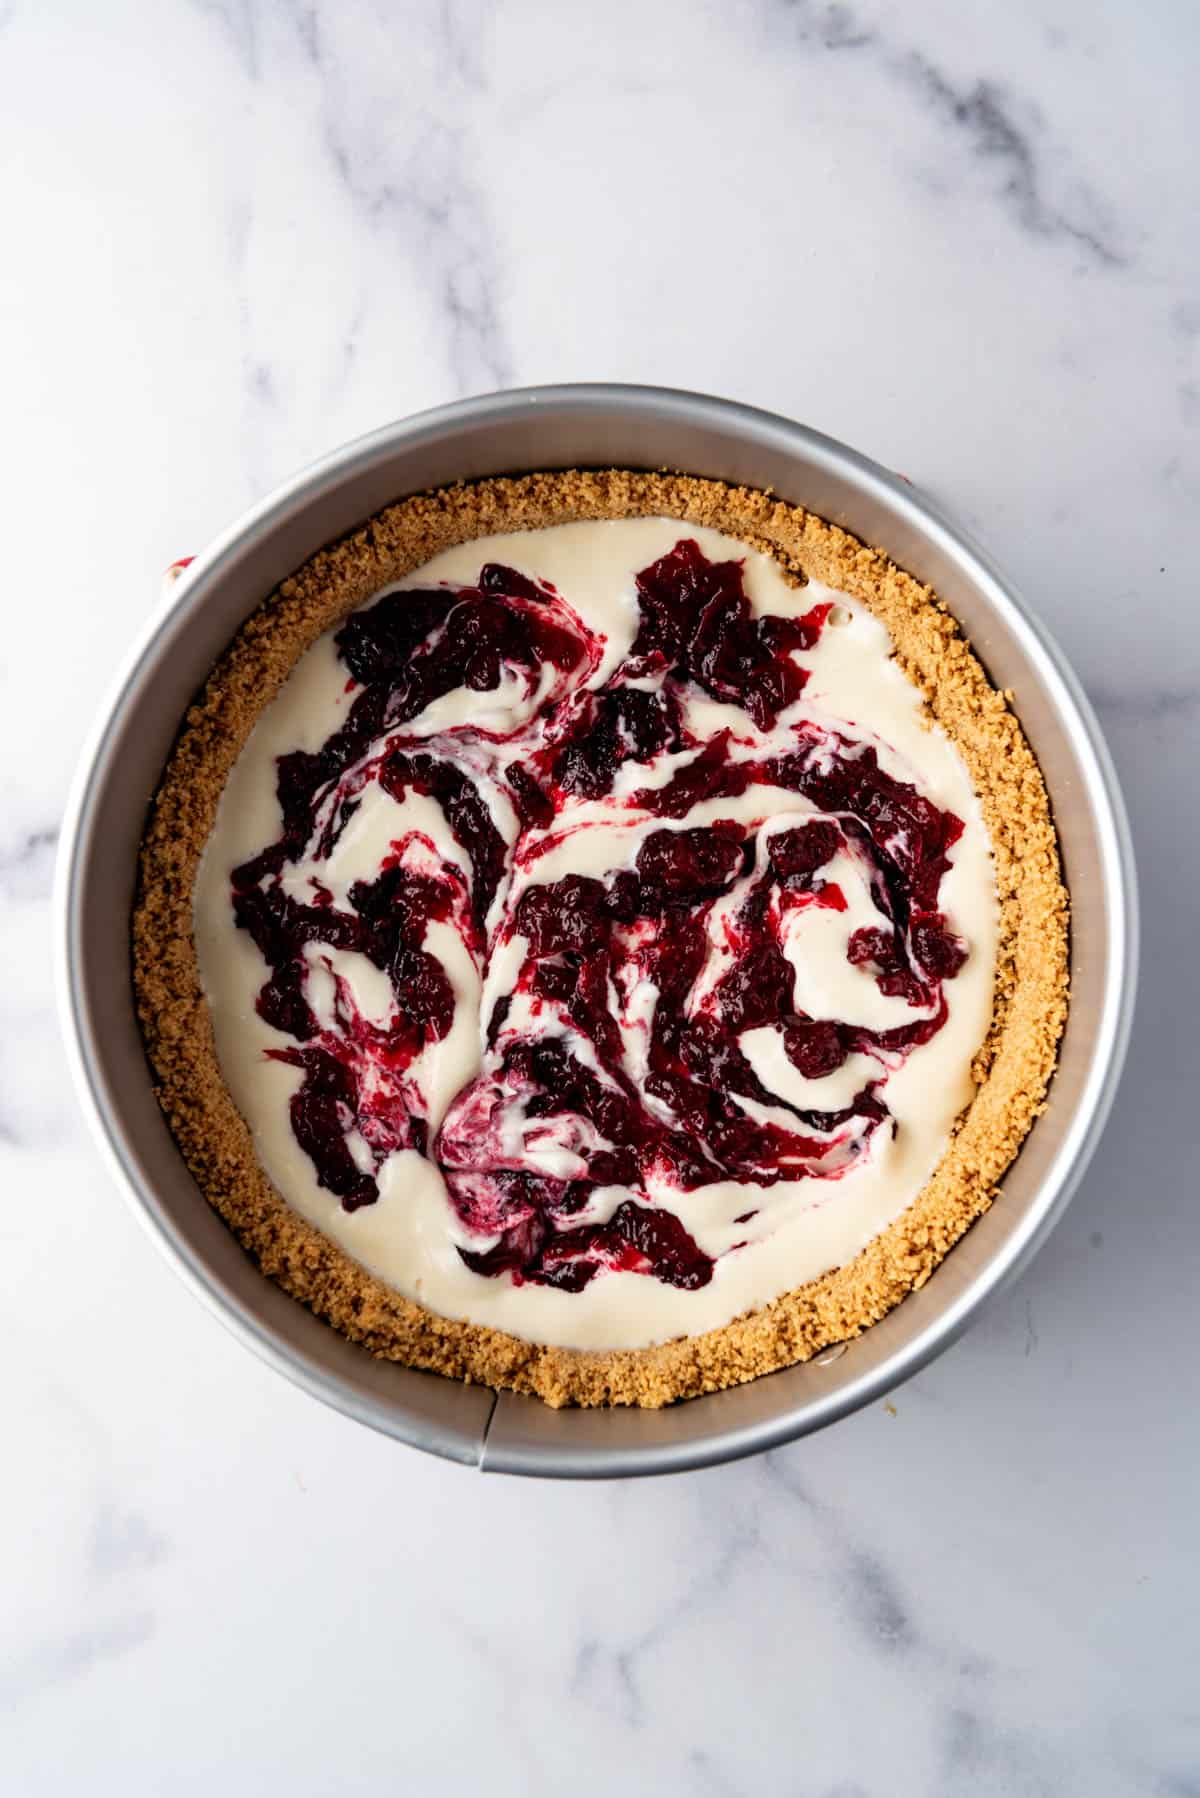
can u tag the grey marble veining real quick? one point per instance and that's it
(238, 232)
(986, 121)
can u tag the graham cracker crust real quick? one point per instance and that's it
(1012, 1069)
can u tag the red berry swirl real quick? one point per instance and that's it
(614, 1079)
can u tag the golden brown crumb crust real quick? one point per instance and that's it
(1012, 1069)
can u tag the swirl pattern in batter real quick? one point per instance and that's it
(597, 937)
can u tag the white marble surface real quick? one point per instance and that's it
(237, 232)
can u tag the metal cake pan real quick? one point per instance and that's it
(508, 433)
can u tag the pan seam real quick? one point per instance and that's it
(481, 1463)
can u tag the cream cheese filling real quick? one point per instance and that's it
(800, 1228)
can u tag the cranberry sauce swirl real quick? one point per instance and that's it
(593, 926)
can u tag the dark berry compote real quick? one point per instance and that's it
(614, 921)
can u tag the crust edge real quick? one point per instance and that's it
(1012, 1069)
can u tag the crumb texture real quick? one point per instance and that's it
(1012, 1069)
